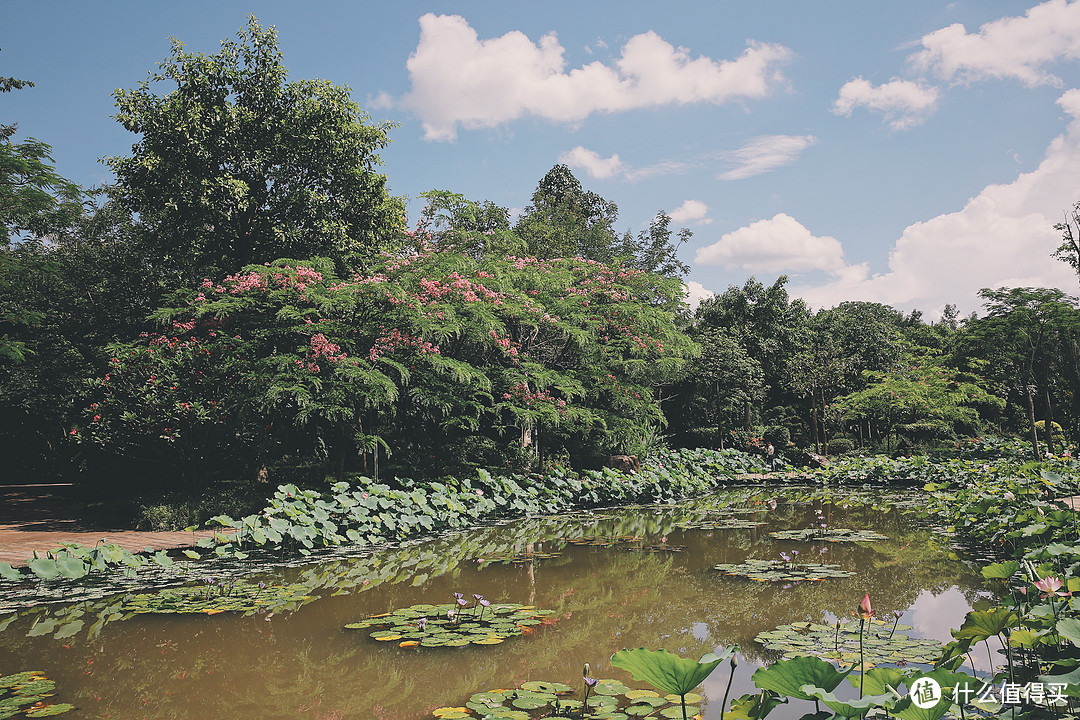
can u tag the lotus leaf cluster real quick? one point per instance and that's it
(719, 524)
(214, 597)
(778, 571)
(824, 641)
(450, 625)
(836, 535)
(515, 558)
(28, 693)
(607, 540)
(608, 700)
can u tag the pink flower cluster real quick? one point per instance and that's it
(522, 393)
(509, 346)
(396, 339)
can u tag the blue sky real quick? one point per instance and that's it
(906, 153)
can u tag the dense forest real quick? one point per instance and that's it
(247, 303)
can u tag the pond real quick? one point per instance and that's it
(631, 577)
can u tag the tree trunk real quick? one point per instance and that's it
(1049, 421)
(824, 424)
(814, 424)
(1031, 419)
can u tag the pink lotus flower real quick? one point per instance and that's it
(864, 610)
(1050, 585)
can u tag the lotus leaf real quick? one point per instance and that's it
(666, 671)
(777, 571)
(849, 708)
(982, 624)
(237, 596)
(788, 677)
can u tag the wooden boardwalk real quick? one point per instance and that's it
(40, 517)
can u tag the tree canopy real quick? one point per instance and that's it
(237, 165)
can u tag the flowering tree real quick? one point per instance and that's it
(430, 346)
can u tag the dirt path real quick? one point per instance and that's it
(40, 517)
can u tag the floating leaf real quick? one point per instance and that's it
(812, 639)
(778, 571)
(835, 535)
(430, 626)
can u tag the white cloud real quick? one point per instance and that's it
(766, 153)
(1011, 47)
(695, 292)
(780, 244)
(691, 211)
(460, 80)
(903, 103)
(1003, 236)
(601, 168)
(590, 161)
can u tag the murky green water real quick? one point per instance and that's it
(303, 663)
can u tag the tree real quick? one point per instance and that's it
(565, 220)
(765, 322)
(1069, 250)
(727, 373)
(34, 199)
(1027, 336)
(236, 165)
(923, 393)
(653, 250)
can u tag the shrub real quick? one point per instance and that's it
(840, 446)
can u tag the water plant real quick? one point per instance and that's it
(445, 625)
(836, 535)
(786, 571)
(839, 643)
(668, 672)
(28, 693)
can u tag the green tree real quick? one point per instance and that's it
(766, 323)
(565, 220)
(1027, 338)
(729, 377)
(34, 199)
(236, 165)
(923, 393)
(1069, 250)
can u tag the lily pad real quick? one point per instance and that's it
(516, 558)
(448, 625)
(881, 646)
(29, 693)
(211, 598)
(778, 571)
(719, 524)
(608, 700)
(836, 535)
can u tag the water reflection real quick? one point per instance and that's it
(301, 662)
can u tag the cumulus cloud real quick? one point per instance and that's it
(903, 103)
(695, 292)
(780, 244)
(1003, 236)
(691, 212)
(1011, 47)
(766, 153)
(599, 168)
(460, 80)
